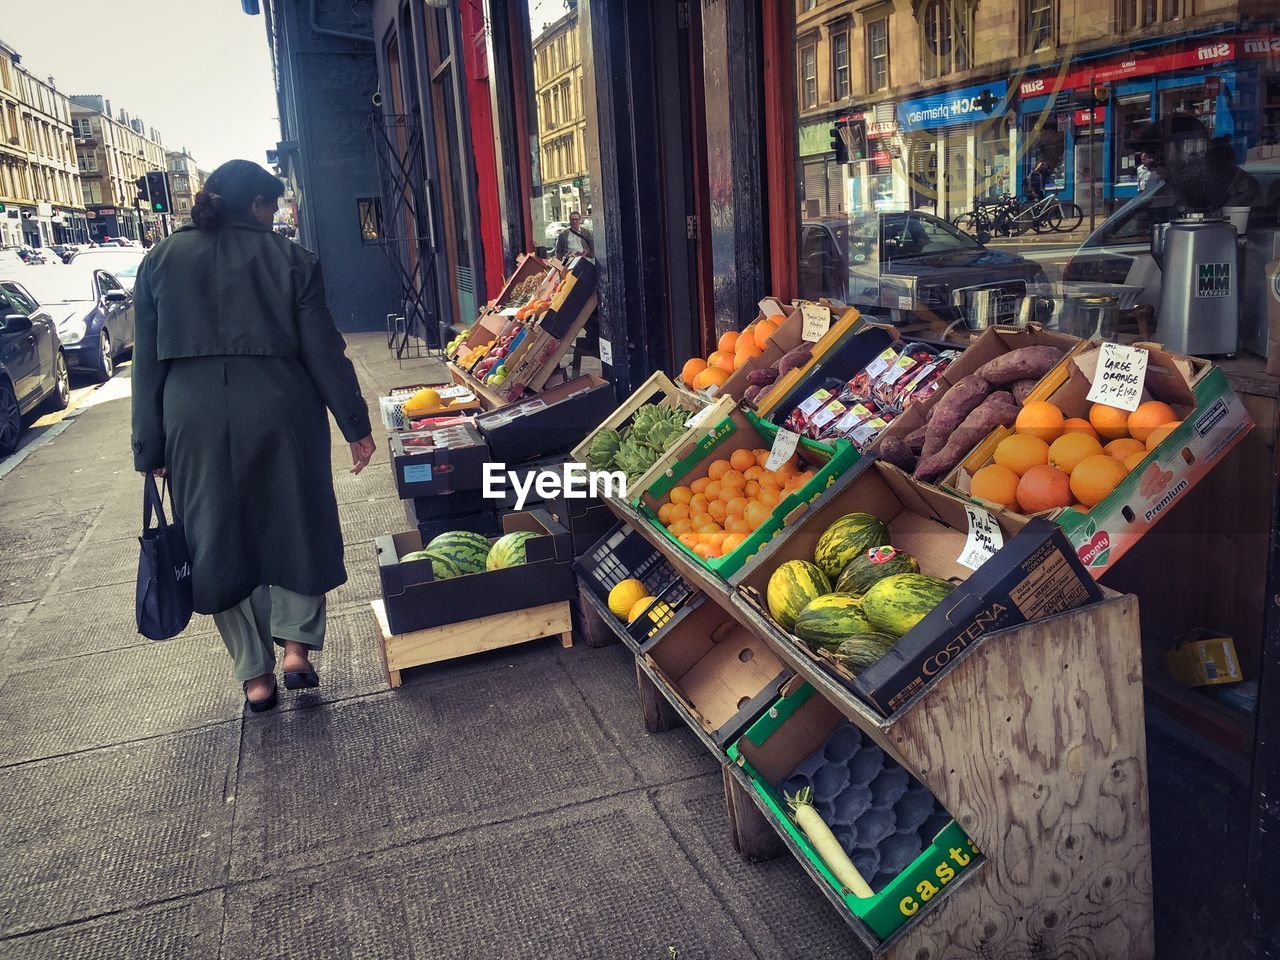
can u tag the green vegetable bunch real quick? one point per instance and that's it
(637, 447)
(604, 448)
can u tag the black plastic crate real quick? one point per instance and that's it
(624, 554)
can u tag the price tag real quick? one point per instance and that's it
(784, 445)
(984, 538)
(699, 418)
(1120, 375)
(816, 321)
(606, 351)
(881, 363)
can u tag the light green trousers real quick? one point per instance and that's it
(268, 616)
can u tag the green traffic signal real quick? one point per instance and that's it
(158, 207)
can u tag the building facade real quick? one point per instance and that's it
(39, 183)
(186, 179)
(112, 153)
(562, 120)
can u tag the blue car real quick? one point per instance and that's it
(33, 367)
(91, 309)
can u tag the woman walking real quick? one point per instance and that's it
(236, 360)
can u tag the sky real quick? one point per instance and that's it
(199, 71)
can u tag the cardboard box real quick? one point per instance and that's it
(790, 732)
(552, 422)
(416, 600)
(528, 268)
(783, 339)
(1213, 421)
(432, 516)
(743, 430)
(588, 520)
(1035, 574)
(432, 462)
(722, 674)
(1204, 658)
(485, 330)
(458, 397)
(575, 294)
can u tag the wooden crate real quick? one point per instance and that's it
(416, 649)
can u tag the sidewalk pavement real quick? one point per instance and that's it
(508, 805)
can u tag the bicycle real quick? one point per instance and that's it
(986, 219)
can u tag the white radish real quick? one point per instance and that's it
(826, 845)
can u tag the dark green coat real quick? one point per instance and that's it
(236, 359)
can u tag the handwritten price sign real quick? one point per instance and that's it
(984, 540)
(816, 321)
(784, 445)
(1121, 373)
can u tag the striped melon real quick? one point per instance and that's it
(851, 535)
(790, 589)
(443, 565)
(508, 551)
(465, 550)
(876, 564)
(896, 604)
(859, 652)
(830, 620)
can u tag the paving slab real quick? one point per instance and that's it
(53, 532)
(350, 665)
(102, 564)
(24, 578)
(362, 576)
(362, 520)
(115, 828)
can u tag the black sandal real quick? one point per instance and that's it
(301, 679)
(261, 706)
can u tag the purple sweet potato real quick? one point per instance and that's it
(750, 394)
(998, 410)
(915, 439)
(762, 377)
(896, 451)
(1021, 388)
(795, 359)
(951, 410)
(1025, 363)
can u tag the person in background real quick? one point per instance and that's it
(1149, 175)
(1036, 181)
(236, 360)
(575, 240)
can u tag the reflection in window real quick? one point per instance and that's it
(1038, 24)
(945, 28)
(369, 210)
(878, 54)
(840, 65)
(809, 76)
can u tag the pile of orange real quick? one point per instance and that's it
(1052, 460)
(732, 351)
(720, 509)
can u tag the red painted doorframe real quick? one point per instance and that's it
(520, 70)
(782, 226)
(476, 65)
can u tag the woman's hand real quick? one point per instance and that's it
(162, 473)
(361, 451)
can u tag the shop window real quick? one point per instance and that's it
(878, 54)
(1037, 24)
(1133, 119)
(840, 85)
(369, 210)
(808, 77)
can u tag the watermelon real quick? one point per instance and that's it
(509, 551)
(465, 550)
(876, 564)
(830, 620)
(416, 555)
(443, 565)
(851, 535)
(790, 589)
(896, 604)
(861, 651)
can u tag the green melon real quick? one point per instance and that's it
(829, 620)
(851, 535)
(875, 564)
(466, 550)
(896, 604)
(416, 555)
(509, 551)
(443, 565)
(861, 651)
(790, 589)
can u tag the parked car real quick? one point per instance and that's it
(121, 262)
(64, 251)
(33, 365)
(92, 311)
(116, 242)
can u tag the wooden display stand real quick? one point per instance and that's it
(416, 649)
(1035, 742)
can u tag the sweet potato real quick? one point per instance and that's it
(762, 377)
(795, 358)
(998, 410)
(915, 439)
(951, 410)
(1025, 363)
(1021, 388)
(749, 395)
(896, 451)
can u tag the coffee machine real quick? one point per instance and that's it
(1199, 310)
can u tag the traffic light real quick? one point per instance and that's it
(849, 140)
(158, 192)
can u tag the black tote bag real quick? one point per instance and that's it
(164, 602)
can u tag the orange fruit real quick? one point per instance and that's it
(1070, 448)
(712, 490)
(1021, 452)
(769, 497)
(753, 473)
(702, 519)
(1132, 460)
(737, 525)
(716, 538)
(996, 483)
(1095, 477)
(732, 542)
(764, 330)
(742, 460)
(1158, 435)
(1043, 488)
(736, 506)
(689, 372)
(798, 480)
(728, 341)
(728, 493)
(681, 494)
(747, 350)
(1147, 417)
(712, 377)
(678, 511)
(689, 540)
(772, 481)
(756, 514)
(718, 510)
(1079, 425)
(752, 489)
(698, 503)
(1124, 447)
(664, 514)
(681, 527)
(706, 551)
(717, 469)
(1040, 418)
(700, 485)
(722, 360)
(762, 457)
(733, 479)
(1110, 422)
